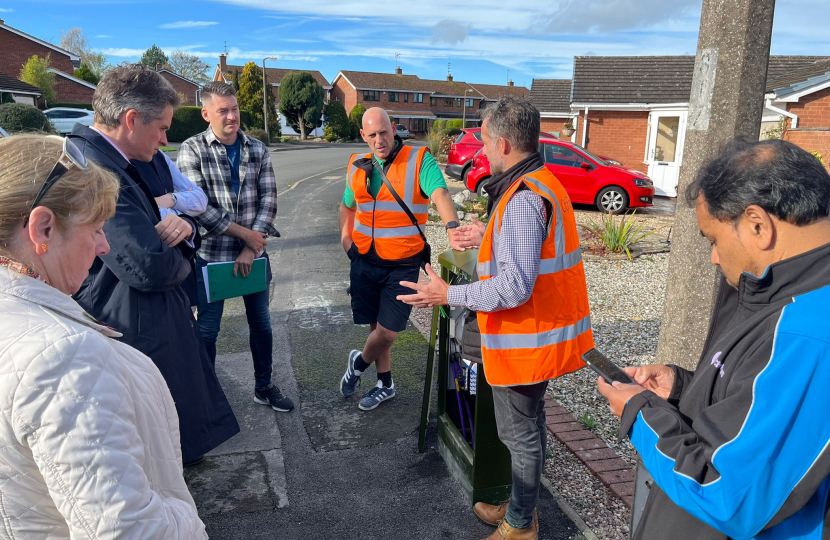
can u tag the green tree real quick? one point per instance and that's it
(86, 74)
(19, 117)
(235, 80)
(35, 72)
(356, 118)
(154, 56)
(301, 101)
(338, 120)
(249, 97)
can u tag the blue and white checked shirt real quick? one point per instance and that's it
(523, 231)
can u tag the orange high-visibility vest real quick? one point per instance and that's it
(382, 220)
(546, 336)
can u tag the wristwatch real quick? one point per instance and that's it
(175, 199)
(452, 225)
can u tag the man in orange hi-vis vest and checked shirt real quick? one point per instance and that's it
(531, 301)
(382, 218)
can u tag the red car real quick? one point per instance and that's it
(587, 178)
(462, 151)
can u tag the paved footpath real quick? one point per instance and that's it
(327, 469)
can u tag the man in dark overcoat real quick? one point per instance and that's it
(137, 287)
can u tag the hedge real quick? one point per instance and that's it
(19, 117)
(457, 124)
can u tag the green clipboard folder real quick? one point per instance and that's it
(221, 284)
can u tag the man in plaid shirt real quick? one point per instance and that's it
(235, 173)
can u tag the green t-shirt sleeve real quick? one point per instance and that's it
(431, 177)
(348, 196)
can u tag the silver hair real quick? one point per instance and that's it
(516, 120)
(132, 86)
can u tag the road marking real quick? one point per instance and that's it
(298, 182)
(330, 178)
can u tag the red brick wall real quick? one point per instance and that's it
(183, 87)
(813, 110)
(620, 135)
(345, 94)
(16, 50)
(68, 91)
(552, 125)
(812, 141)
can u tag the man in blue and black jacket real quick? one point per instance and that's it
(740, 448)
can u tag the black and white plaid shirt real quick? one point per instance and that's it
(204, 160)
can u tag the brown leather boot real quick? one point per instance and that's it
(506, 532)
(491, 514)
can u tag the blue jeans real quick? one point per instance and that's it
(520, 419)
(261, 338)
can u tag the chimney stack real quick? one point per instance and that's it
(398, 71)
(223, 63)
(449, 78)
(2, 21)
(509, 83)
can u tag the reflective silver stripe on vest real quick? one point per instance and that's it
(391, 232)
(352, 170)
(393, 206)
(408, 194)
(557, 264)
(534, 341)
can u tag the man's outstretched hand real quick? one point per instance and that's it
(468, 236)
(432, 294)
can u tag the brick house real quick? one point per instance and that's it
(18, 47)
(802, 97)
(552, 98)
(70, 89)
(416, 103)
(21, 92)
(636, 109)
(189, 90)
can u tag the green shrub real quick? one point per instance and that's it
(356, 119)
(19, 117)
(259, 134)
(187, 122)
(457, 123)
(246, 119)
(439, 125)
(6, 97)
(87, 106)
(338, 120)
(451, 132)
(619, 236)
(816, 154)
(329, 134)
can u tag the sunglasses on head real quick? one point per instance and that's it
(70, 158)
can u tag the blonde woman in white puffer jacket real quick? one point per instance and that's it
(89, 435)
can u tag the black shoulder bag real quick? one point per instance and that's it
(427, 252)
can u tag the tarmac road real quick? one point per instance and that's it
(327, 469)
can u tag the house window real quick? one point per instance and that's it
(448, 102)
(393, 96)
(469, 102)
(458, 102)
(419, 98)
(432, 101)
(418, 124)
(482, 104)
(371, 95)
(406, 97)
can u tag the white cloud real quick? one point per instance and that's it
(187, 24)
(6, 10)
(103, 36)
(450, 32)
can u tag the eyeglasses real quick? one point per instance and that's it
(71, 157)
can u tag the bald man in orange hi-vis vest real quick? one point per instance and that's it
(531, 301)
(382, 218)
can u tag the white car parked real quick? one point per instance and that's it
(65, 118)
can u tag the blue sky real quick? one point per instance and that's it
(485, 41)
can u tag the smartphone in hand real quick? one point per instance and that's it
(607, 369)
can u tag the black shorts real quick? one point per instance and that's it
(374, 290)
